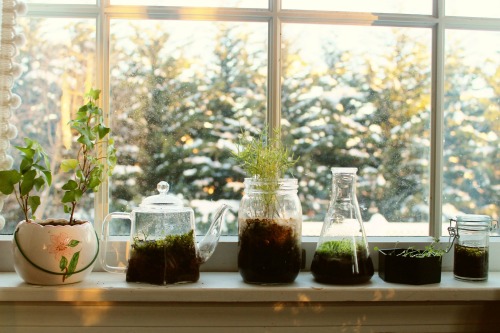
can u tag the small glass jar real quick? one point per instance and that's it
(270, 231)
(471, 249)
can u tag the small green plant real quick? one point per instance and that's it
(88, 167)
(90, 164)
(266, 159)
(429, 251)
(33, 174)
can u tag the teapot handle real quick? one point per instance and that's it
(105, 241)
(207, 245)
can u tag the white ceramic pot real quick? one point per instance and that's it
(52, 252)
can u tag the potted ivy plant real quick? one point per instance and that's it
(270, 213)
(410, 265)
(60, 251)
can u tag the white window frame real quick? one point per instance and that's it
(224, 258)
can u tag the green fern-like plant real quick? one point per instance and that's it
(265, 159)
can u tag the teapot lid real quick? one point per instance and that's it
(163, 199)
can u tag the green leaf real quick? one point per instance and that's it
(73, 243)
(67, 208)
(69, 164)
(103, 131)
(26, 165)
(69, 196)
(28, 152)
(28, 182)
(8, 179)
(70, 185)
(34, 202)
(72, 196)
(39, 183)
(94, 94)
(73, 263)
(63, 263)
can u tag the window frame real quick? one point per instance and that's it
(103, 13)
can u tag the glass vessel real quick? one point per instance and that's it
(163, 241)
(471, 249)
(270, 231)
(342, 255)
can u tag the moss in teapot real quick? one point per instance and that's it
(172, 259)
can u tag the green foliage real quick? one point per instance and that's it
(429, 251)
(339, 249)
(91, 163)
(33, 174)
(266, 159)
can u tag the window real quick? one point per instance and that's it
(397, 90)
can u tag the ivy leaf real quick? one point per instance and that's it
(102, 130)
(28, 152)
(72, 196)
(63, 263)
(69, 164)
(34, 202)
(70, 185)
(27, 182)
(9, 179)
(26, 164)
(93, 93)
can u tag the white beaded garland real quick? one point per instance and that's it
(9, 70)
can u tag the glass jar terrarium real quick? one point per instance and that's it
(270, 231)
(471, 250)
(342, 255)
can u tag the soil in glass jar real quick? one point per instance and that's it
(269, 252)
(334, 263)
(165, 261)
(470, 263)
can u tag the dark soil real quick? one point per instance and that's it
(332, 270)
(170, 260)
(471, 262)
(268, 252)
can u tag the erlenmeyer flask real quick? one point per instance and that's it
(342, 255)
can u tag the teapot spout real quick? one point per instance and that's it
(208, 244)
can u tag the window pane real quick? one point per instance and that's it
(477, 8)
(58, 62)
(181, 92)
(379, 6)
(360, 97)
(471, 179)
(196, 3)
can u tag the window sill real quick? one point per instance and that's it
(217, 287)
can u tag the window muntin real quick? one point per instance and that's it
(181, 93)
(379, 6)
(471, 154)
(360, 97)
(58, 63)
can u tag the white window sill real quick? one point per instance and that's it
(216, 287)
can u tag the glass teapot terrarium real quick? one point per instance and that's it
(342, 255)
(163, 246)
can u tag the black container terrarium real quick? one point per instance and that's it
(410, 266)
(163, 245)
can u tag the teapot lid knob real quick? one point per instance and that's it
(163, 187)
